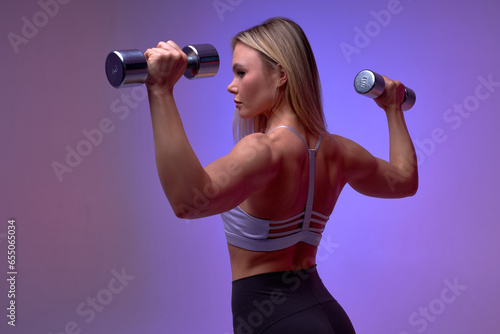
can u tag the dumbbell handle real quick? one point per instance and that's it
(130, 67)
(372, 85)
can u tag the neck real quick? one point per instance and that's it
(283, 115)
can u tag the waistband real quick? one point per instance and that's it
(278, 274)
(294, 284)
(300, 289)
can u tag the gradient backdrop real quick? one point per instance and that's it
(99, 249)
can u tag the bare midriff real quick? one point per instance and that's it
(246, 263)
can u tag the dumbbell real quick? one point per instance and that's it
(130, 67)
(372, 85)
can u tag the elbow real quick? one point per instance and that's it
(193, 210)
(184, 205)
(183, 211)
(406, 188)
(412, 191)
(412, 187)
(181, 208)
(179, 213)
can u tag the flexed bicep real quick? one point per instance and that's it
(373, 176)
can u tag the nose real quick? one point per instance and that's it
(232, 88)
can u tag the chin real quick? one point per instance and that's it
(247, 114)
(244, 115)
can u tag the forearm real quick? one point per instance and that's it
(402, 151)
(179, 169)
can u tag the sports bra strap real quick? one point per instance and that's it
(310, 191)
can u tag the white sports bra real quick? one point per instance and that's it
(255, 234)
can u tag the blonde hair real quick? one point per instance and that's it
(281, 42)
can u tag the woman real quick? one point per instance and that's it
(280, 182)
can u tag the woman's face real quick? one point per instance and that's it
(254, 86)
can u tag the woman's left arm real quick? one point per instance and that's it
(194, 191)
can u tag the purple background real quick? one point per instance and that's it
(384, 260)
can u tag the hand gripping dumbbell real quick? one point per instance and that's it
(129, 67)
(372, 85)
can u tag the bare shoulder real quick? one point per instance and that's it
(337, 146)
(256, 142)
(346, 147)
(343, 142)
(351, 155)
(258, 148)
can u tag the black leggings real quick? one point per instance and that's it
(291, 302)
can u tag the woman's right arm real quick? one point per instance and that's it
(375, 177)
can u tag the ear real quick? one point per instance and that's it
(283, 77)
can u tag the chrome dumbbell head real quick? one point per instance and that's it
(130, 67)
(372, 85)
(369, 83)
(203, 61)
(126, 67)
(410, 99)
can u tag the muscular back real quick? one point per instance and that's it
(285, 196)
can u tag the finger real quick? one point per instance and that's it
(164, 45)
(153, 52)
(174, 45)
(149, 53)
(170, 48)
(175, 50)
(169, 45)
(398, 85)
